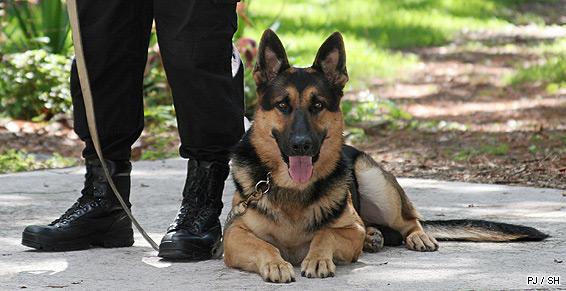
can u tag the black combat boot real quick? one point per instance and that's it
(196, 232)
(95, 219)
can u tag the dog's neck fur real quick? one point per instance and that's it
(249, 168)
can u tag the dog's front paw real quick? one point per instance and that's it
(421, 241)
(373, 241)
(317, 267)
(277, 272)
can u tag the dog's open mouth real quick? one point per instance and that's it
(300, 167)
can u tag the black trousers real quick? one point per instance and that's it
(195, 39)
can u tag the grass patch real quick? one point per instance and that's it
(550, 71)
(378, 110)
(371, 114)
(496, 150)
(493, 150)
(372, 29)
(19, 161)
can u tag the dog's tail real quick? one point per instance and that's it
(480, 231)
(378, 192)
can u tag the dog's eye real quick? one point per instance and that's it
(283, 106)
(316, 107)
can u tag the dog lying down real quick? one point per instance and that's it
(304, 198)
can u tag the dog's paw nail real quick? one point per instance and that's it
(331, 274)
(303, 273)
(293, 279)
(309, 275)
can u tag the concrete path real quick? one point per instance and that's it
(38, 197)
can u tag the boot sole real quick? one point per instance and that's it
(172, 251)
(107, 240)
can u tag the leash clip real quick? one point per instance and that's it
(265, 184)
(261, 188)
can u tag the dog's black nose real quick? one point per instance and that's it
(301, 145)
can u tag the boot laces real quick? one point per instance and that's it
(83, 203)
(194, 207)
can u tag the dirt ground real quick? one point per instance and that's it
(489, 132)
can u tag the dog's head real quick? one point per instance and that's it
(298, 123)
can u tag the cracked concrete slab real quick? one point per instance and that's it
(38, 197)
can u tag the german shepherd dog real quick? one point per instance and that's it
(325, 202)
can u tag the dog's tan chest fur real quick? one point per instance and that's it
(288, 234)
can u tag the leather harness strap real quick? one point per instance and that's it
(89, 108)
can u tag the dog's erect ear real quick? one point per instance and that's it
(331, 60)
(271, 58)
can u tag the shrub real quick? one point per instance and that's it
(249, 94)
(34, 85)
(18, 161)
(36, 25)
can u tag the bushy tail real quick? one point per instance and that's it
(480, 231)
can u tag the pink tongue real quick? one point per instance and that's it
(300, 168)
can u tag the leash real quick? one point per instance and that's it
(261, 188)
(89, 109)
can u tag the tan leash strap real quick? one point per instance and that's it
(89, 108)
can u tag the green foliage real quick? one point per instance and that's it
(249, 93)
(383, 110)
(19, 161)
(34, 84)
(463, 155)
(552, 73)
(549, 71)
(160, 122)
(15, 161)
(41, 25)
(159, 148)
(160, 118)
(371, 28)
(359, 116)
(156, 90)
(494, 150)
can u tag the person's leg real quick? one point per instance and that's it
(115, 37)
(195, 39)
